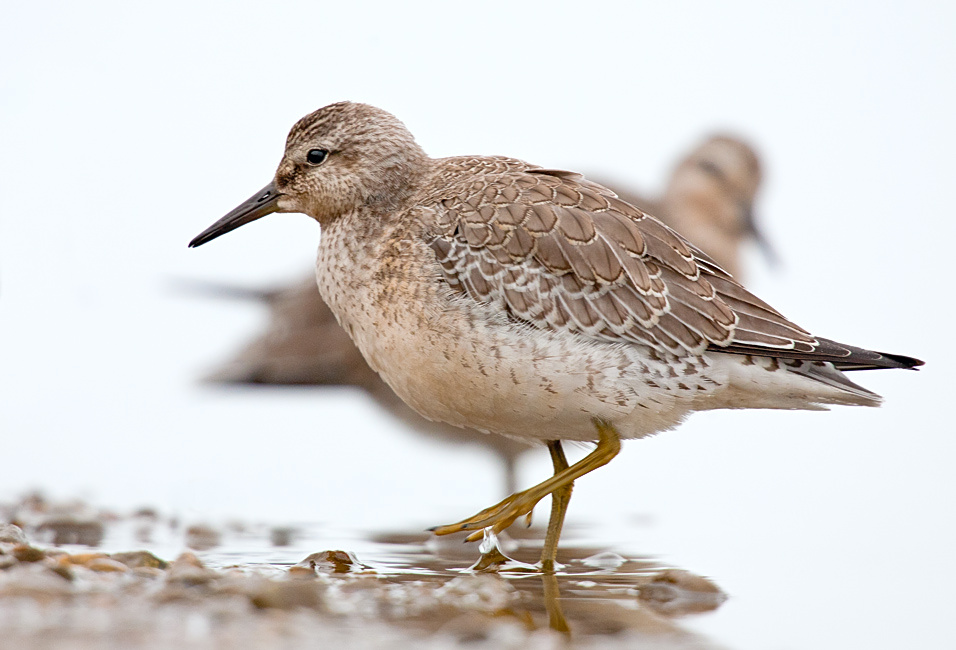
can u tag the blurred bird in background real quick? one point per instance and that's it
(708, 199)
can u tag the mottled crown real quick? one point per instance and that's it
(372, 160)
(350, 121)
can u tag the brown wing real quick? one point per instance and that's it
(560, 252)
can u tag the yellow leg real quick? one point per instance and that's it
(504, 513)
(560, 499)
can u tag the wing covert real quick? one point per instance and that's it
(557, 251)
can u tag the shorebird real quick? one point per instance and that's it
(708, 199)
(529, 302)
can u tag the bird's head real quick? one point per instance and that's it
(337, 159)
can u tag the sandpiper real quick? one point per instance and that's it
(709, 195)
(709, 200)
(533, 303)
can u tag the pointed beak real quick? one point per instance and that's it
(750, 223)
(263, 202)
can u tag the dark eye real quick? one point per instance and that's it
(711, 168)
(317, 156)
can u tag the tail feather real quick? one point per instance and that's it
(841, 355)
(830, 375)
(861, 359)
(772, 383)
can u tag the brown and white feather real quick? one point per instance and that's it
(557, 251)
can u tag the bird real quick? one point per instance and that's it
(709, 200)
(708, 197)
(530, 302)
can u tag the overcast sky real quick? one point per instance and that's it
(125, 131)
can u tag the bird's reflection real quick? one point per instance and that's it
(591, 594)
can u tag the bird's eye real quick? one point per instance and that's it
(713, 169)
(317, 156)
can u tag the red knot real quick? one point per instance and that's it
(710, 193)
(528, 302)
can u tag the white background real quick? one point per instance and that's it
(127, 130)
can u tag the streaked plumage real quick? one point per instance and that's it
(533, 303)
(303, 343)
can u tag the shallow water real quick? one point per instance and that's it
(294, 585)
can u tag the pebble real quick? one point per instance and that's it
(281, 535)
(202, 537)
(106, 565)
(27, 553)
(10, 534)
(187, 569)
(327, 562)
(84, 558)
(675, 591)
(52, 598)
(137, 559)
(61, 530)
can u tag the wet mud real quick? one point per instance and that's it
(241, 585)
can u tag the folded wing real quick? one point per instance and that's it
(557, 251)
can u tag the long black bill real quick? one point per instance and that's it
(762, 242)
(263, 202)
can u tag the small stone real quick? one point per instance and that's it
(146, 512)
(71, 530)
(678, 592)
(281, 535)
(330, 562)
(27, 553)
(136, 559)
(82, 559)
(62, 567)
(188, 558)
(106, 565)
(10, 534)
(202, 537)
(188, 570)
(148, 572)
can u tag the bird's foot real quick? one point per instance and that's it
(497, 517)
(503, 514)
